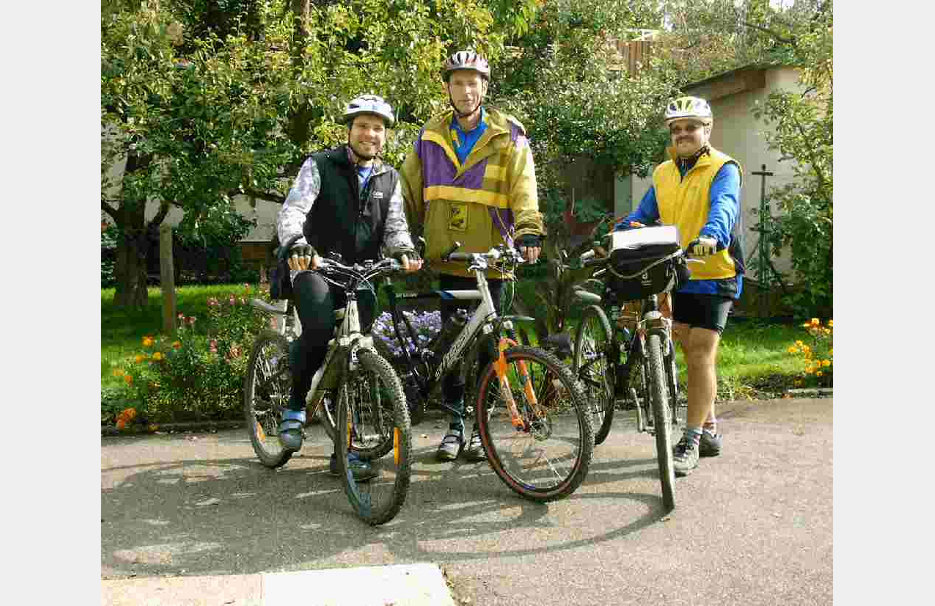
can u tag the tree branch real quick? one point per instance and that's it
(161, 215)
(110, 210)
(774, 35)
(262, 195)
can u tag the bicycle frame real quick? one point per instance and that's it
(482, 319)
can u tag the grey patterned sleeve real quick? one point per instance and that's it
(396, 237)
(304, 191)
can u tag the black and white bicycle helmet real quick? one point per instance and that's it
(466, 59)
(368, 104)
(689, 107)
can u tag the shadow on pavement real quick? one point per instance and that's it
(231, 515)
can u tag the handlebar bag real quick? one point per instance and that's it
(631, 273)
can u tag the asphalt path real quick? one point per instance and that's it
(752, 526)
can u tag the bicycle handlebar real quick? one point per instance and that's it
(494, 254)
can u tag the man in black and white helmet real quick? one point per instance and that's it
(344, 200)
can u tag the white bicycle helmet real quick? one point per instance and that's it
(466, 59)
(689, 107)
(368, 104)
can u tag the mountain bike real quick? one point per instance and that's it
(631, 355)
(531, 414)
(370, 416)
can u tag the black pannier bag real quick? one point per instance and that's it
(635, 271)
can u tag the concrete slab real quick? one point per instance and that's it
(400, 585)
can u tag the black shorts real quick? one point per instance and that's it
(702, 311)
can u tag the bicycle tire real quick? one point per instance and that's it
(662, 420)
(266, 396)
(557, 434)
(677, 411)
(594, 369)
(378, 500)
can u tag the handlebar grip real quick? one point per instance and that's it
(459, 256)
(595, 261)
(447, 254)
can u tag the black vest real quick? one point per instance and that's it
(341, 219)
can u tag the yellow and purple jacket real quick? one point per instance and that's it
(488, 200)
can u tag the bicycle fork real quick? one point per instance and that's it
(516, 419)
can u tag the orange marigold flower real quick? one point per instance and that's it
(130, 413)
(819, 373)
(121, 423)
(793, 349)
(158, 356)
(148, 341)
(826, 363)
(830, 323)
(139, 358)
(177, 345)
(815, 321)
(128, 379)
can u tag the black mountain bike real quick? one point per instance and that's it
(631, 355)
(531, 414)
(356, 392)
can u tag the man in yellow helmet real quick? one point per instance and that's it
(470, 178)
(698, 190)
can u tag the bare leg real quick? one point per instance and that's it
(700, 348)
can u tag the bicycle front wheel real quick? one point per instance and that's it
(535, 424)
(662, 421)
(373, 422)
(595, 369)
(266, 396)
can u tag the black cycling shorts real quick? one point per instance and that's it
(702, 311)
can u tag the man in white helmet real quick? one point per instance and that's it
(698, 190)
(346, 201)
(470, 178)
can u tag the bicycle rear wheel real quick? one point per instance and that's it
(373, 421)
(266, 396)
(594, 369)
(662, 420)
(548, 457)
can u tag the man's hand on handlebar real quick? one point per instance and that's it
(530, 246)
(410, 265)
(303, 256)
(702, 246)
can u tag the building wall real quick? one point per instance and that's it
(738, 133)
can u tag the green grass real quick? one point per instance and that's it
(123, 329)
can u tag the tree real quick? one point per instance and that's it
(192, 128)
(203, 100)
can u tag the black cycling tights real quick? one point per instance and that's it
(316, 301)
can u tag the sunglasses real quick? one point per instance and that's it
(687, 129)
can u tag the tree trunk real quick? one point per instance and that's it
(132, 245)
(130, 272)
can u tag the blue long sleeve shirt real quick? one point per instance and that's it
(725, 210)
